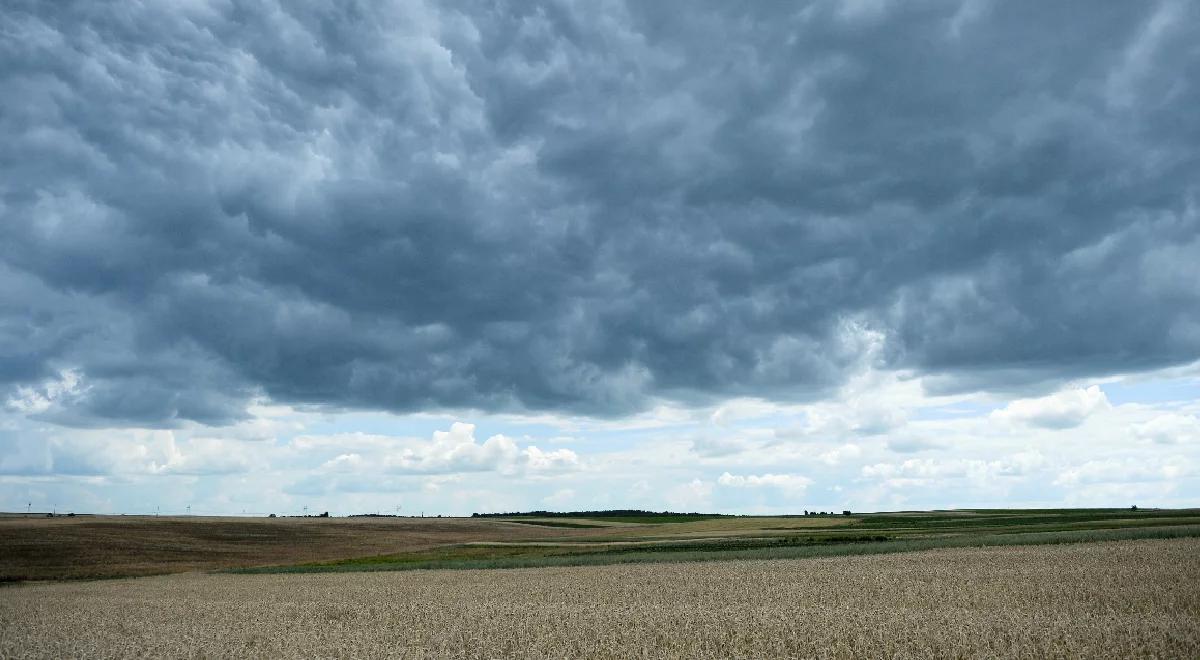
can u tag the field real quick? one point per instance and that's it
(1105, 599)
(83, 547)
(121, 546)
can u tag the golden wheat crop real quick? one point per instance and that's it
(1126, 598)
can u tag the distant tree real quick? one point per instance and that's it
(271, 516)
(846, 512)
(324, 515)
(1133, 508)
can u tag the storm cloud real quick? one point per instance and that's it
(586, 207)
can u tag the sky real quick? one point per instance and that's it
(453, 257)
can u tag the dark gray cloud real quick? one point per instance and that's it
(580, 206)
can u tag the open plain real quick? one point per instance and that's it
(83, 547)
(1108, 599)
(967, 583)
(89, 547)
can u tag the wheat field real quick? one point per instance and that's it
(1113, 599)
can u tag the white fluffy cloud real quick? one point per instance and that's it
(1126, 450)
(925, 471)
(838, 455)
(457, 450)
(1128, 470)
(345, 463)
(790, 482)
(1169, 429)
(143, 452)
(38, 399)
(558, 460)
(1062, 410)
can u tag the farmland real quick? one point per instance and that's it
(1104, 599)
(82, 547)
(120, 546)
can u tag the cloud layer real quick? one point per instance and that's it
(586, 207)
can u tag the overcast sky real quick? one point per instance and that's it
(479, 256)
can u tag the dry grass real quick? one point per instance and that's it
(1116, 599)
(111, 546)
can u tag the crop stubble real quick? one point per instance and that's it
(1124, 598)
